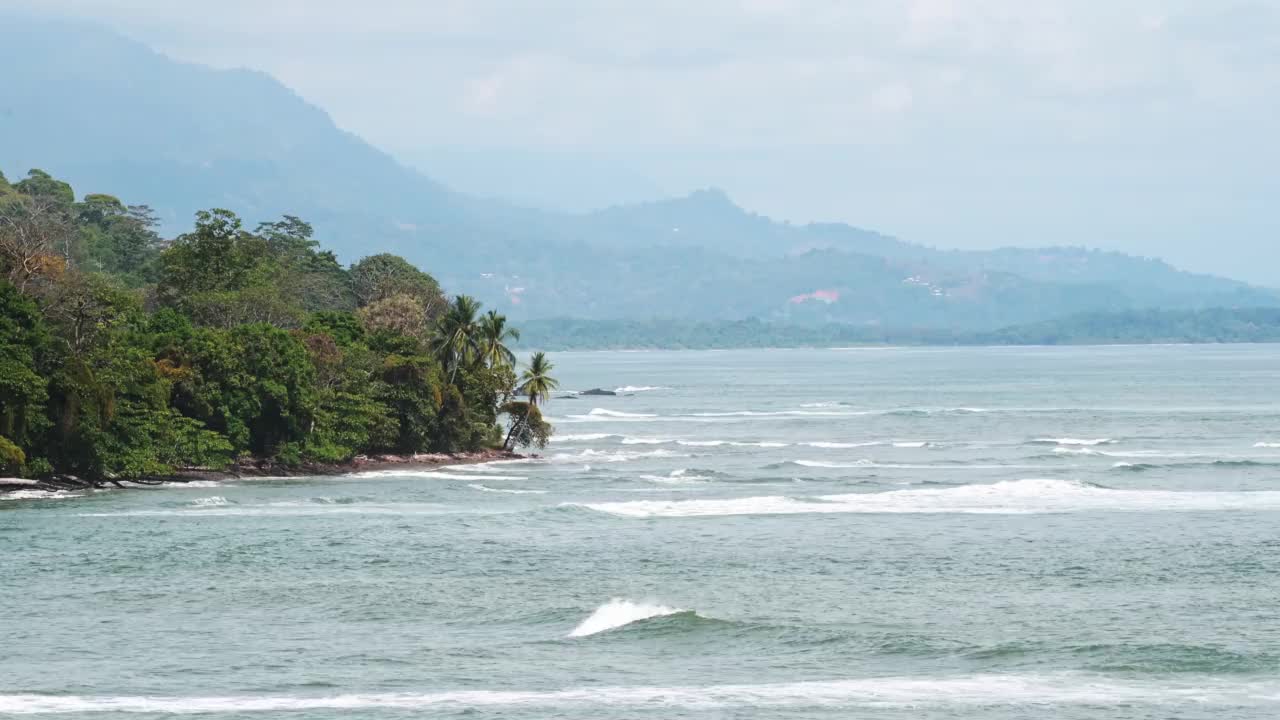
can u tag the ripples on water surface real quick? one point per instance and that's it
(969, 533)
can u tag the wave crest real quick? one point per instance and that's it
(910, 693)
(1007, 497)
(617, 613)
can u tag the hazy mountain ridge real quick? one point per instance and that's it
(106, 112)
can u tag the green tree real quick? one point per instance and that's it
(12, 459)
(527, 427)
(312, 277)
(40, 184)
(412, 389)
(23, 388)
(255, 384)
(117, 239)
(494, 336)
(217, 256)
(536, 384)
(459, 335)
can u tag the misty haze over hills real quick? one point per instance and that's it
(106, 113)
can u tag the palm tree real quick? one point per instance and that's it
(494, 335)
(536, 382)
(459, 334)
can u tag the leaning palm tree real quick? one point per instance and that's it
(459, 336)
(536, 382)
(494, 336)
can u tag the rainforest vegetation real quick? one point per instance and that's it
(124, 355)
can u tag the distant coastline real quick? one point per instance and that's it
(1136, 327)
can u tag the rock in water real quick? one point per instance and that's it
(598, 391)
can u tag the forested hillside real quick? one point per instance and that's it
(123, 355)
(1215, 325)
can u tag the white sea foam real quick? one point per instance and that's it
(611, 456)
(1267, 445)
(917, 444)
(581, 437)
(1038, 693)
(639, 388)
(601, 412)
(215, 501)
(676, 477)
(1073, 441)
(617, 613)
(490, 464)
(865, 463)
(646, 441)
(194, 484)
(1077, 451)
(1008, 497)
(39, 495)
(300, 509)
(1172, 454)
(841, 445)
(509, 491)
(485, 467)
(468, 474)
(779, 413)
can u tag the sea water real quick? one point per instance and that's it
(887, 533)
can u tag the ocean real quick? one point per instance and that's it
(927, 533)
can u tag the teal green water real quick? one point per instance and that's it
(901, 533)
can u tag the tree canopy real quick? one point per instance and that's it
(123, 355)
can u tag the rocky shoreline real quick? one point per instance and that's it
(361, 463)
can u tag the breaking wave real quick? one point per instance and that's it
(466, 473)
(509, 491)
(1072, 441)
(866, 463)
(316, 506)
(611, 456)
(1031, 691)
(620, 612)
(215, 501)
(1008, 497)
(39, 495)
(780, 413)
(639, 388)
(681, 476)
(601, 412)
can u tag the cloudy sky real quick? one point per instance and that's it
(1142, 125)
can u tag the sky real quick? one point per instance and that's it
(1138, 125)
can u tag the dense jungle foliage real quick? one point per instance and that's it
(125, 355)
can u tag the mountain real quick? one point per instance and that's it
(104, 112)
